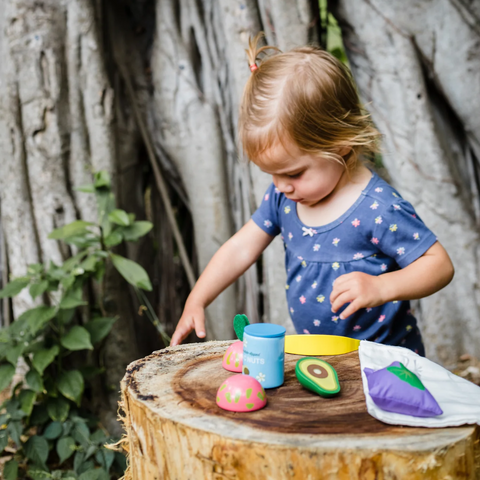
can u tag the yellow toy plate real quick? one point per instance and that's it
(320, 344)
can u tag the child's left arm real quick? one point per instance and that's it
(425, 276)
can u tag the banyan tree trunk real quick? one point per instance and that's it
(57, 124)
(417, 64)
(176, 431)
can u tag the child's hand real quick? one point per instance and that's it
(193, 317)
(359, 289)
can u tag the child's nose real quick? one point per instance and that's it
(283, 184)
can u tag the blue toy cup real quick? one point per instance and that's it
(264, 353)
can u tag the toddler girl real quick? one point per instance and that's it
(355, 251)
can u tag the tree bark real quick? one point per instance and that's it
(421, 78)
(176, 430)
(56, 126)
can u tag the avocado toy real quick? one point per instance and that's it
(318, 376)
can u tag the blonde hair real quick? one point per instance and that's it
(306, 96)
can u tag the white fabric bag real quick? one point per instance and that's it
(458, 398)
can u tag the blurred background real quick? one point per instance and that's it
(148, 92)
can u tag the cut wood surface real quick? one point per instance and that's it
(176, 431)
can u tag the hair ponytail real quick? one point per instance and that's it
(254, 50)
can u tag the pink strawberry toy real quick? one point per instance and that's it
(241, 393)
(233, 358)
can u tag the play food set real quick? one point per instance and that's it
(320, 344)
(318, 376)
(241, 393)
(393, 389)
(397, 389)
(233, 358)
(264, 353)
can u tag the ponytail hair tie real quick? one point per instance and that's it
(253, 67)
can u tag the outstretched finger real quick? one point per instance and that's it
(200, 326)
(180, 334)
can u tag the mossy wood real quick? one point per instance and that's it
(176, 431)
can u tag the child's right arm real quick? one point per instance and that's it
(233, 258)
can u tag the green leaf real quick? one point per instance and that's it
(37, 317)
(18, 329)
(77, 338)
(81, 434)
(90, 451)
(101, 179)
(10, 470)
(36, 473)
(115, 238)
(85, 188)
(63, 475)
(89, 263)
(43, 358)
(67, 428)
(3, 439)
(72, 300)
(58, 409)
(34, 380)
(105, 458)
(35, 268)
(78, 460)
(66, 316)
(6, 374)
(138, 229)
(39, 288)
(53, 431)
(71, 385)
(13, 352)
(73, 261)
(89, 465)
(99, 328)
(68, 281)
(97, 474)
(98, 437)
(14, 429)
(403, 373)
(119, 217)
(27, 399)
(36, 450)
(78, 227)
(132, 272)
(14, 287)
(65, 448)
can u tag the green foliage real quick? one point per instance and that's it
(51, 397)
(333, 41)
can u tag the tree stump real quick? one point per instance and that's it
(176, 431)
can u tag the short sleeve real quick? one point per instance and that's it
(401, 234)
(266, 215)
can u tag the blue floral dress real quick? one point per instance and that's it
(379, 233)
